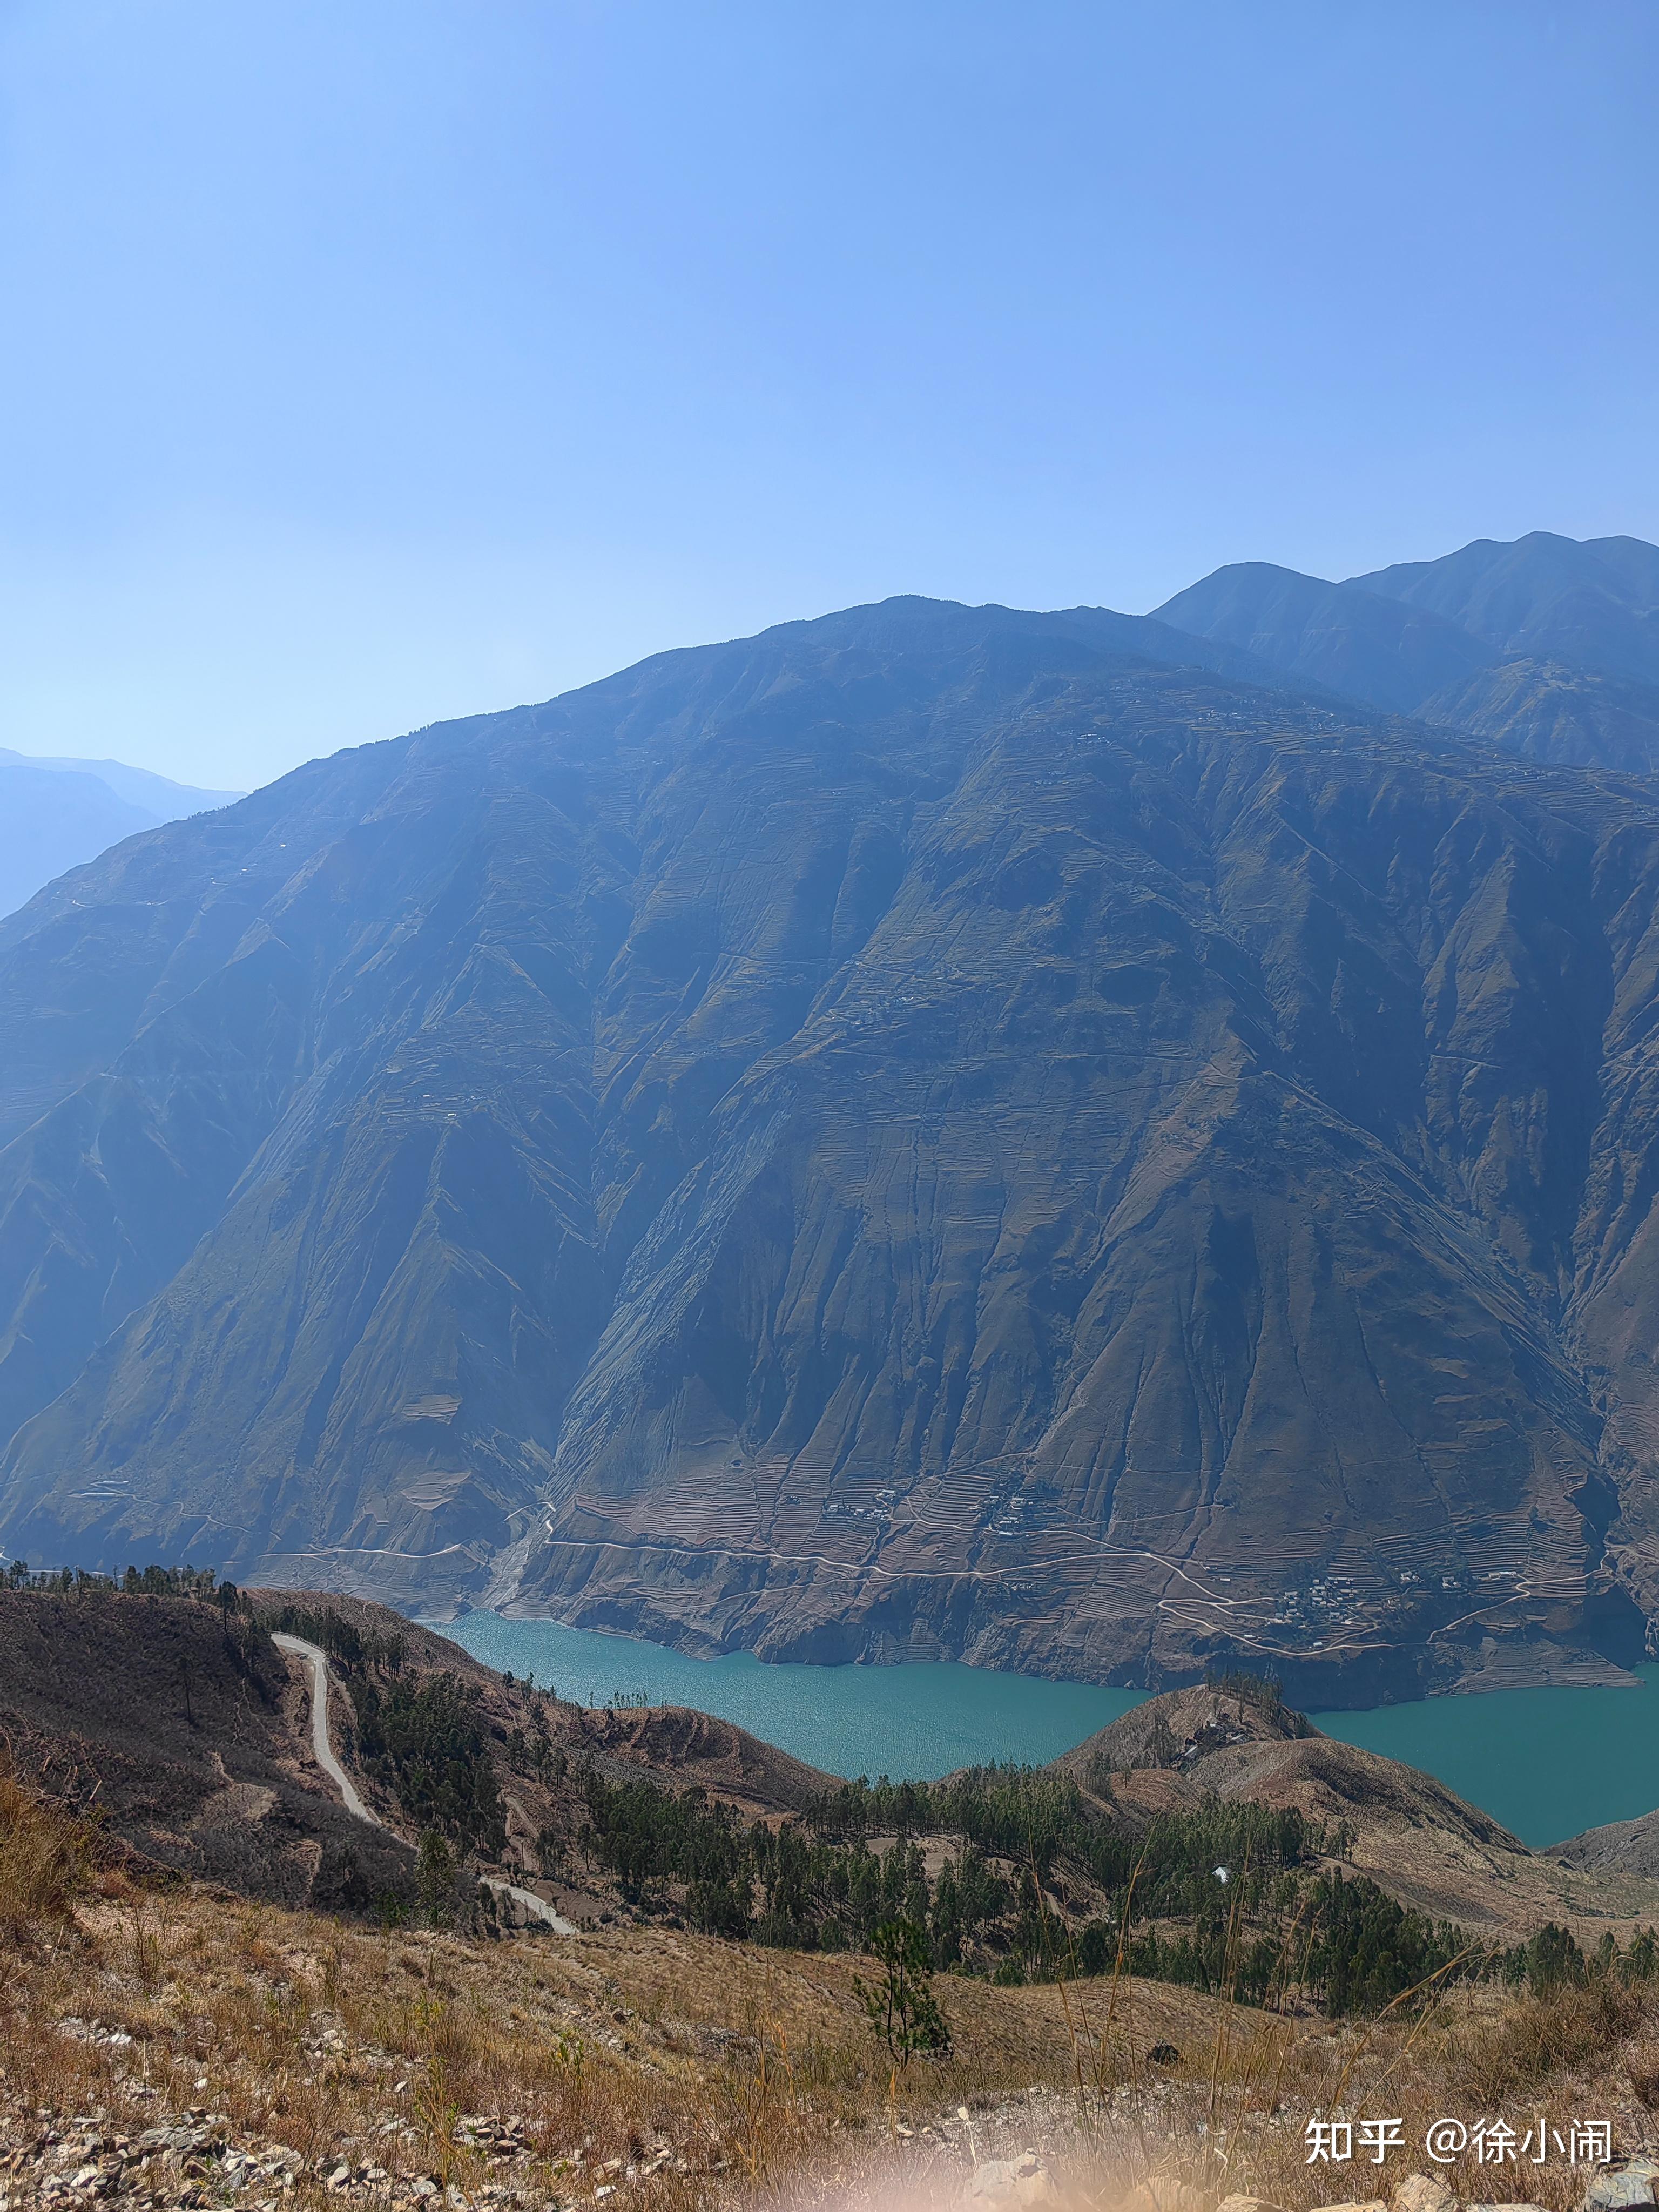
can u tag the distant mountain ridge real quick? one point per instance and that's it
(1356, 642)
(159, 795)
(1594, 600)
(55, 814)
(1547, 647)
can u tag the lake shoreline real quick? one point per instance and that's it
(1338, 1677)
(1546, 1760)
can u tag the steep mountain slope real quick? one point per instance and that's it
(1372, 648)
(55, 814)
(344, 961)
(1543, 597)
(1549, 710)
(917, 1132)
(1626, 1847)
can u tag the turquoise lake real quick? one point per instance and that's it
(1546, 1763)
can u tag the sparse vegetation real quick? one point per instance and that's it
(711, 2072)
(200, 1583)
(1033, 1885)
(901, 2008)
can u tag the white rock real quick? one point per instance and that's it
(1616, 2192)
(1012, 2184)
(1424, 2192)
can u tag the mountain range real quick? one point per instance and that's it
(1079, 1141)
(56, 813)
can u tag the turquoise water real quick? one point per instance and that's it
(1546, 1763)
(911, 1723)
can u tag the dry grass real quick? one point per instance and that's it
(1642, 2071)
(741, 2071)
(43, 1858)
(678, 2071)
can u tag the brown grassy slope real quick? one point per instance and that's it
(674, 2072)
(1411, 1835)
(719, 2065)
(187, 1734)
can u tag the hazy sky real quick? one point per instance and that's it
(367, 362)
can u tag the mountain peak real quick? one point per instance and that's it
(1334, 635)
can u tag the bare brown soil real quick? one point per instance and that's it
(182, 1730)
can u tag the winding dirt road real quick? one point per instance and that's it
(319, 1742)
(537, 1907)
(531, 1903)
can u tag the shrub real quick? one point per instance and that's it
(902, 2011)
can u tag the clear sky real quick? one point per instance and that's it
(369, 362)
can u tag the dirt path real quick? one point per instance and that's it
(532, 1903)
(319, 1742)
(537, 1907)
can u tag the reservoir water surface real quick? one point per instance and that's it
(1546, 1763)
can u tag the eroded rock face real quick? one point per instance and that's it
(913, 1133)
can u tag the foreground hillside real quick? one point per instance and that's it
(179, 1723)
(933, 1130)
(181, 2047)
(704, 2022)
(177, 1720)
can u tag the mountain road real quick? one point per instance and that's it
(319, 1742)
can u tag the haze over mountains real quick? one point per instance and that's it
(1054, 1139)
(56, 813)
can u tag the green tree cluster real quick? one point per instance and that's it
(426, 1741)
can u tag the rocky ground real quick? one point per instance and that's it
(197, 2157)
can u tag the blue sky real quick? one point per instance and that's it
(372, 360)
